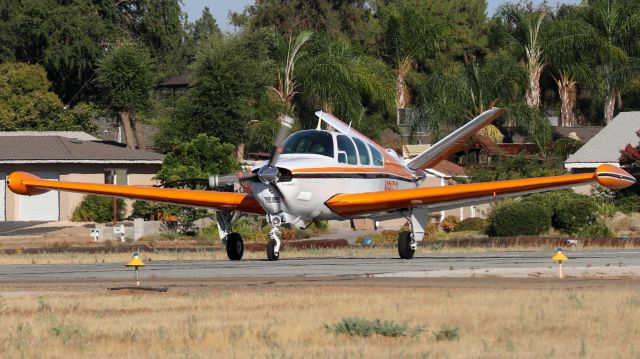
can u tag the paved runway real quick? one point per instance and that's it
(502, 264)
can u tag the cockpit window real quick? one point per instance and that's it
(362, 151)
(377, 156)
(310, 141)
(345, 144)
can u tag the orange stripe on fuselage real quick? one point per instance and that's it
(395, 171)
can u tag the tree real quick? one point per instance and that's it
(196, 159)
(201, 157)
(338, 19)
(286, 87)
(27, 104)
(568, 45)
(617, 22)
(337, 78)
(524, 27)
(411, 37)
(125, 75)
(630, 161)
(451, 97)
(231, 75)
(64, 37)
(205, 27)
(160, 29)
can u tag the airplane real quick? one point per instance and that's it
(336, 174)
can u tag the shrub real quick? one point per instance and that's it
(98, 209)
(628, 204)
(364, 328)
(471, 224)
(449, 223)
(519, 218)
(574, 214)
(595, 230)
(447, 333)
(569, 210)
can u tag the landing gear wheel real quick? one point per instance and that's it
(405, 248)
(235, 246)
(272, 255)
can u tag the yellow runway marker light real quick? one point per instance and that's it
(559, 257)
(136, 262)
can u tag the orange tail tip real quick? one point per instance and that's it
(20, 183)
(613, 177)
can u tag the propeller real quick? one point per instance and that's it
(268, 174)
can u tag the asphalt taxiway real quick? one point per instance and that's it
(582, 263)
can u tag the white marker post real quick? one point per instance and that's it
(559, 256)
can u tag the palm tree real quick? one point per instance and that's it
(454, 96)
(617, 25)
(286, 87)
(569, 43)
(411, 37)
(525, 29)
(338, 78)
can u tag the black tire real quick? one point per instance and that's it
(404, 245)
(271, 254)
(235, 246)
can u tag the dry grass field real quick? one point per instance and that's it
(281, 321)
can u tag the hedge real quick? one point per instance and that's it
(519, 218)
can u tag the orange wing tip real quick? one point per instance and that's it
(613, 177)
(18, 183)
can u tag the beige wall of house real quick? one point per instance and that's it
(138, 174)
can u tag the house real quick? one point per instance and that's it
(66, 156)
(605, 146)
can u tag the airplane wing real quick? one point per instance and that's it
(27, 184)
(450, 144)
(442, 198)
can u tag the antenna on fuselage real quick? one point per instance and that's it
(348, 128)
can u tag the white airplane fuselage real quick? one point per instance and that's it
(308, 180)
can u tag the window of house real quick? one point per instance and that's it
(345, 144)
(116, 176)
(377, 156)
(362, 151)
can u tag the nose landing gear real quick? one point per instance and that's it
(273, 247)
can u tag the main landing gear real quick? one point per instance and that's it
(231, 240)
(408, 241)
(406, 245)
(235, 246)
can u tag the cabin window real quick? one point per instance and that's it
(345, 144)
(377, 156)
(311, 142)
(362, 151)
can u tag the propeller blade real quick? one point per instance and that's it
(286, 123)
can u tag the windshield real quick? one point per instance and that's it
(310, 141)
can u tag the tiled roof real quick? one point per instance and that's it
(56, 149)
(584, 133)
(606, 145)
(449, 168)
